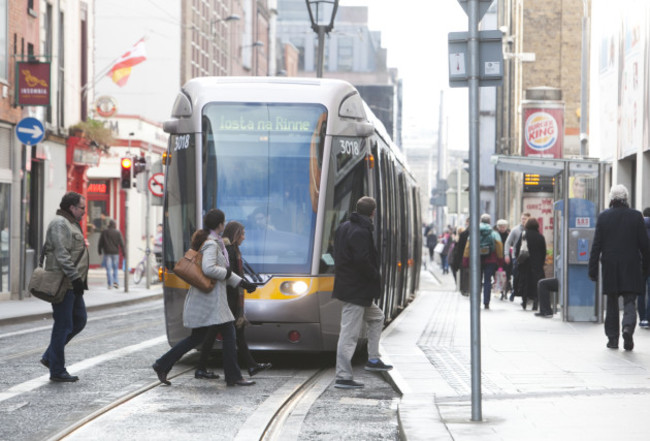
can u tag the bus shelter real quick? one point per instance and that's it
(577, 186)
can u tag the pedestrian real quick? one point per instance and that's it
(233, 236)
(504, 232)
(110, 244)
(431, 240)
(510, 257)
(157, 244)
(207, 314)
(447, 242)
(544, 289)
(643, 301)
(65, 245)
(621, 246)
(462, 282)
(531, 270)
(491, 256)
(357, 285)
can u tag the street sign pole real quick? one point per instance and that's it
(475, 270)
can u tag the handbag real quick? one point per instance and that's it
(524, 254)
(46, 285)
(439, 247)
(189, 269)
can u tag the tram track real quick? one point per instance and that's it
(78, 425)
(279, 417)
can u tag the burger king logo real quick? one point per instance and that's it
(541, 131)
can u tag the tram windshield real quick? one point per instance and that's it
(261, 166)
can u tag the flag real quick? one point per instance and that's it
(121, 69)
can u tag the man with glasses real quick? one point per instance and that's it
(65, 251)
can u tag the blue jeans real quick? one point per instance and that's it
(445, 262)
(111, 262)
(488, 271)
(69, 319)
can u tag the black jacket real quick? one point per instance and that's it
(621, 244)
(110, 242)
(532, 270)
(356, 266)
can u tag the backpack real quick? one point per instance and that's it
(487, 240)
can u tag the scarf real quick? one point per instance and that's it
(66, 214)
(221, 245)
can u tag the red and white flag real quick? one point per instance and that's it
(121, 69)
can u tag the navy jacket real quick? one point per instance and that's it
(356, 266)
(621, 243)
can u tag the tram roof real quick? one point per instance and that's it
(267, 89)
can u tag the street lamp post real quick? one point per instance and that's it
(584, 80)
(321, 15)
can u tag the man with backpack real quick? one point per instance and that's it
(491, 250)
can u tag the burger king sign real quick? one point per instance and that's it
(543, 132)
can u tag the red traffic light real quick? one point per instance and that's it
(127, 163)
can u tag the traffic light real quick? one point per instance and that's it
(139, 165)
(127, 166)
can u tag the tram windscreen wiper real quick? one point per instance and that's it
(249, 270)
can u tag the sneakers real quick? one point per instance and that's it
(116, 286)
(643, 323)
(628, 342)
(348, 384)
(377, 366)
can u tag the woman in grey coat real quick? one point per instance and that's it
(208, 314)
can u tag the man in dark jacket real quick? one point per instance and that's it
(643, 303)
(110, 244)
(621, 245)
(357, 284)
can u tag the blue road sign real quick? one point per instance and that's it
(30, 131)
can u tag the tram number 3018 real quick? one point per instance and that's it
(349, 146)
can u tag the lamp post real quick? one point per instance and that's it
(584, 80)
(321, 15)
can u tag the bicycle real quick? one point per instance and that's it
(141, 267)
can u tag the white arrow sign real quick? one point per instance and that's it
(35, 131)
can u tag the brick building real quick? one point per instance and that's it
(550, 33)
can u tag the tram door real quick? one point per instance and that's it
(580, 295)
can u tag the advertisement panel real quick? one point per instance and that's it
(33, 86)
(543, 133)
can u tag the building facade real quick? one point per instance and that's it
(33, 178)
(542, 49)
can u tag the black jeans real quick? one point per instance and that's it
(544, 289)
(612, 328)
(231, 370)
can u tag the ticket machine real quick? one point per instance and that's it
(580, 190)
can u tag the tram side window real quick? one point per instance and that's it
(347, 192)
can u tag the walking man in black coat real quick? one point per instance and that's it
(357, 284)
(621, 245)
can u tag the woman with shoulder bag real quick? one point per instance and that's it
(531, 270)
(233, 236)
(207, 314)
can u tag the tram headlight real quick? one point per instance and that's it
(293, 288)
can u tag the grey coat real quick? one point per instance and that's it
(64, 242)
(206, 309)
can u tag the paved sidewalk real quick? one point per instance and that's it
(97, 297)
(542, 379)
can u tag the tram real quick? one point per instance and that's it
(288, 158)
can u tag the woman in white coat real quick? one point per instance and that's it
(208, 314)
